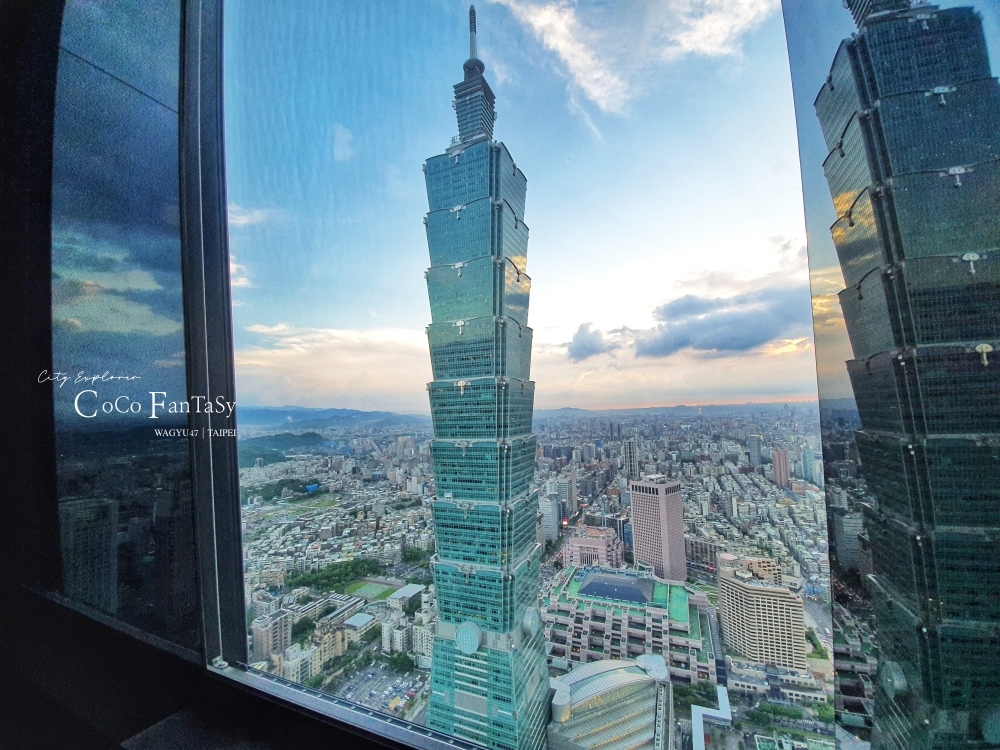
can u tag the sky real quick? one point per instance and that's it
(667, 239)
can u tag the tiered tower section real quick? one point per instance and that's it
(489, 681)
(911, 115)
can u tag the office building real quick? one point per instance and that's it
(781, 475)
(911, 116)
(761, 620)
(658, 526)
(754, 445)
(591, 545)
(551, 511)
(88, 531)
(488, 677)
(630, 457)
(618, 705)
(568, 496)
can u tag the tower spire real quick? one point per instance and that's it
(472, 33)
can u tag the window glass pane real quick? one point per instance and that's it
(125, 507)
(470, 353)
(898, 111)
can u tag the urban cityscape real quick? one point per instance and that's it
(480, 572)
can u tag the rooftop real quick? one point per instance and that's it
(359, 620)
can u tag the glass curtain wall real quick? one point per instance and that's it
(898, 110)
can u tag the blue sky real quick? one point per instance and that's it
(664, 199)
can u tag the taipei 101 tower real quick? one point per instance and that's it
(489, 681)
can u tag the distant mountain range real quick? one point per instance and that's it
(305, 418)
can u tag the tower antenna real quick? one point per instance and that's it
(472, 32)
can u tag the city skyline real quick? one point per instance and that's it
(628, 314)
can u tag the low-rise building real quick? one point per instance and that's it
(591, 545)
(271, 634)
(613, 705)
(358, 625)
(593, 614)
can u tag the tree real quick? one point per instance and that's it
(374, 634)
(302, 630)
(401, 663)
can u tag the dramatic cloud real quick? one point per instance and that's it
(588, 39)
(734, 324)
(586, 343)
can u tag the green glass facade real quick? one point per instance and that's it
(911, 117)
(489, 681)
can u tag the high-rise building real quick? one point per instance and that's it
(630, 457)
(489, 681)
(761, 620)
(780, 469)
(754, 444)
(568, 496)
(551, 510)
(88, 531)
(911, 116)
(658, 526)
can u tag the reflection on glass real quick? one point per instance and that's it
(909, 115)
(125, 506)
(421, 536)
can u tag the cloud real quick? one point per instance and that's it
(560, 30)
(79, 257)
(384, 368)
(241, 217)
(85, 306)
(176, 359)
(727, 324)
(238, 277)
(588, 39)
(343, 139)
(586, 343)
(712, 28)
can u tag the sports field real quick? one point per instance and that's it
(370, 591)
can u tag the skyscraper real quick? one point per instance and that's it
(911, 115)
(754, 444)
(658, 526)
(630, 457)
(489, 680)
(779, 466)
